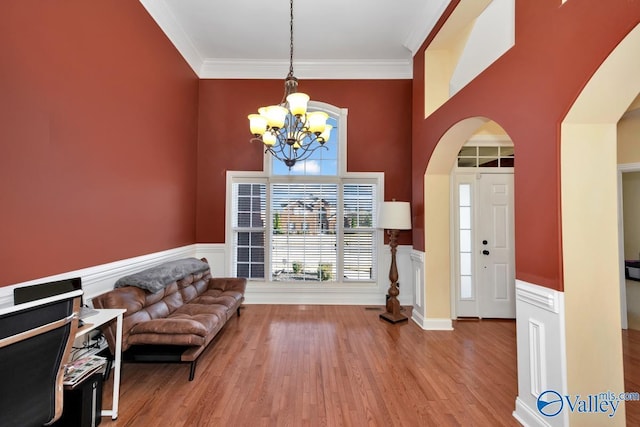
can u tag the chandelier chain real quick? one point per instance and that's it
(287, 131)
(291, 38)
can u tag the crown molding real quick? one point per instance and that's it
(426, 20)
(167, 22)
(270, 69)
(308, 70)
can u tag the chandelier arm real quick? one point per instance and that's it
(278, 151)
(303, 151)
(280, 155)
(309, 151)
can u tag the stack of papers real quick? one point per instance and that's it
(76, 371)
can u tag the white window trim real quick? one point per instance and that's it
(255, 177)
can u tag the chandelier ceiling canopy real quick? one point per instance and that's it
(288, 131)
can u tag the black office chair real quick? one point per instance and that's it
(35, 341)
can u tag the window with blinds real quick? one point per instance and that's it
(317, 231)
(304, 233)
(249, 202)
(359, 201)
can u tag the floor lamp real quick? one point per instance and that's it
(394, 216)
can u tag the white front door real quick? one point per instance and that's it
(485, 279)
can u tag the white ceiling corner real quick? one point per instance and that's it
(428, 18)
(161, 13)
(363, 39)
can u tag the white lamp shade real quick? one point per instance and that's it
(395, 216)
(275, 115)
(317, 121)
(269, 139)
(326, 133)
(258, 124)
(298, 103)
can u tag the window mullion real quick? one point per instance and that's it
(268, 241)
(340, 231)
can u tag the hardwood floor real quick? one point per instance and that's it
(330, 366)
(631, 355)
(340, 366)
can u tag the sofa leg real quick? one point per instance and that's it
(192, 371)
(238, 311)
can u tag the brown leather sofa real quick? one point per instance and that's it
(174, 311)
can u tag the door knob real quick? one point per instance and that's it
(485, 252)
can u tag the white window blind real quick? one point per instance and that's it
(249, 202)
(359, 233)
(304, 232)
(317, 231)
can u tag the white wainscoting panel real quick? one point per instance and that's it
(417, 271)
(215, 253)
(340, 293)
(537, 363)
(540, 335)
(419, 315)
(405, 277)
(99, 279)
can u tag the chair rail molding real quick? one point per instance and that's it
(101, 278)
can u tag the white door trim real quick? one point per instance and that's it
(623, 168)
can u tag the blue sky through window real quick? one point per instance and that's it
(324, 161)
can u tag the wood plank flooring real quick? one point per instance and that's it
(631, 355)
(288, 365)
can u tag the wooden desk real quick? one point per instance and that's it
(95, 321)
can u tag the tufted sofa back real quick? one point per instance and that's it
(143, 305)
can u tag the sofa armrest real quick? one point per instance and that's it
(238, 284)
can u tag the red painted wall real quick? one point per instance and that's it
(98, 128)
(528, 91)
(379, 136)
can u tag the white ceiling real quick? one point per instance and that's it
(332, 38)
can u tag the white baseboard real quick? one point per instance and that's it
(527, 417)
(435, 324)
(337, 295)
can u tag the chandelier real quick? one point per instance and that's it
(287, 130)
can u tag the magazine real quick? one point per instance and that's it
(77, 370)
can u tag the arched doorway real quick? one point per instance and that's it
(437, 221)
(590, 246)
(439, 263)
(483, 226)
